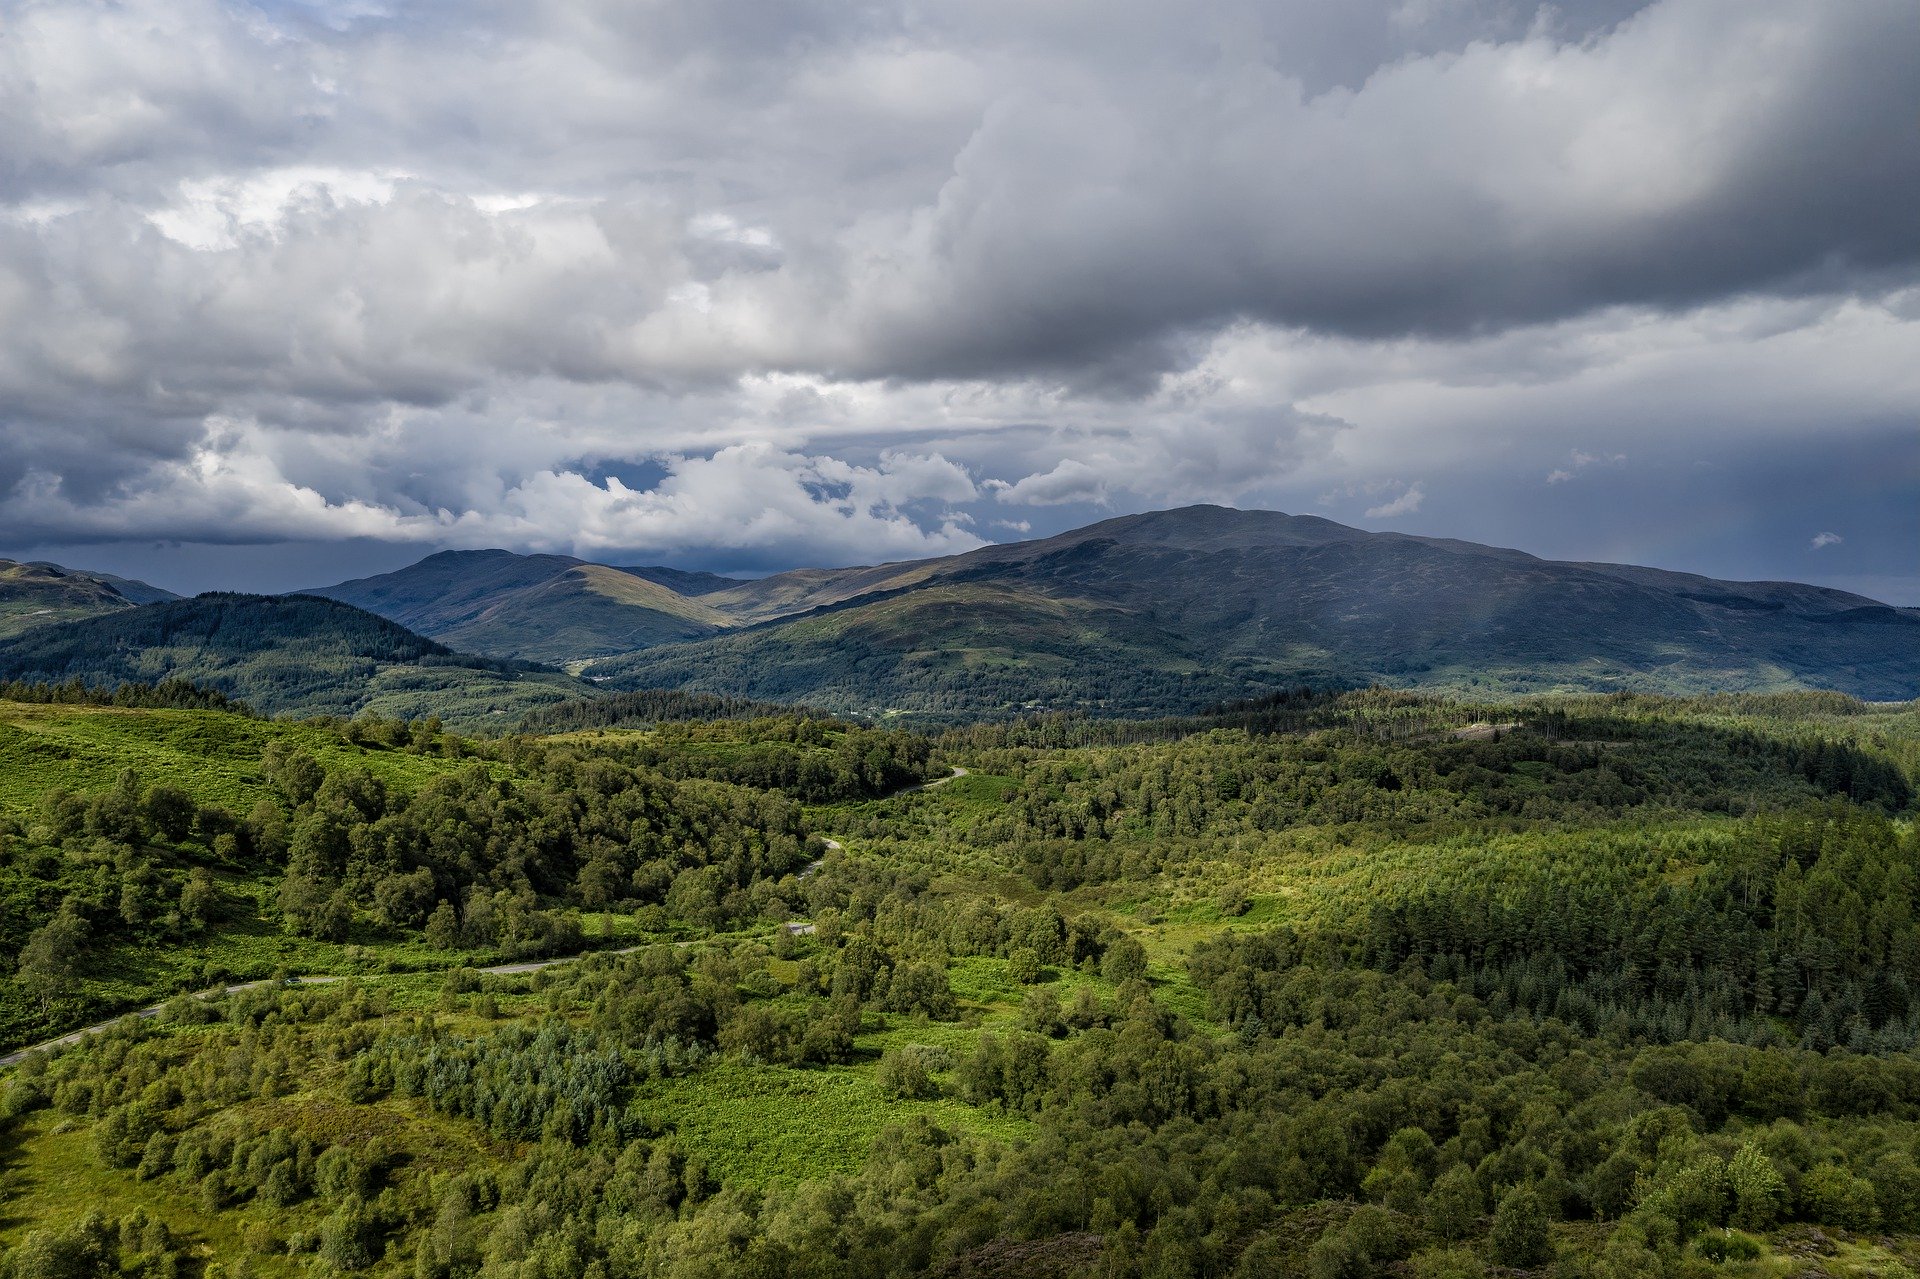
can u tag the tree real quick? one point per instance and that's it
(1759, 1191)
(347, 1238)
(1519, 1236)
(1832, 1196)
(443, 927)
(198, 897)
(903, 1075)
(169, 812)
(48, 964)
(1125, 960)
(1454, 1204)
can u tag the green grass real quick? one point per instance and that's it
(211, 755)
(758, 1124)
(50, 1177)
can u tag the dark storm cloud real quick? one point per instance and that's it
(863, 280)
(1698, 151)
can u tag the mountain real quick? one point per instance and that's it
(683, 581)
(37, 594)
(1173, 609)
(547, 608)
(287, 655)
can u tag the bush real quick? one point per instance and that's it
(1727, 1246)
(1833, 1196)
(906, 1073)
(1448, 1263)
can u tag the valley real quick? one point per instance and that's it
(1385, 980)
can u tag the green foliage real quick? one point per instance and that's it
(817, 761)
(1519, 1235)
(1760, 1194)
(168, 694)
(650, 707)
(358, 833)
(1298, 998)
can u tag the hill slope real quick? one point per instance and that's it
(549, 608)
(1171, 609)
(296, 655)
(38, 594)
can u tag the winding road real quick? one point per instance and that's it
(73, 1037)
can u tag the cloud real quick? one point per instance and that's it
(1406, 504)
(1581, 461)
(1822, 540)
(417, 273)
(1070, 481)
(750, 504)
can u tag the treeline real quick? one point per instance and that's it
(851, 673)
(296, 652)
(1102, 815)
(1791, 725)
(649, 706)
(237, 623)
(471, 857)
(168, 694)
(1802, 928)
(817, 761)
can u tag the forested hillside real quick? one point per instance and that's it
(1318, 985)
(287, 655)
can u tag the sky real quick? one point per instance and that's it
(300, 290)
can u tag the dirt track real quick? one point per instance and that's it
(73, 1037)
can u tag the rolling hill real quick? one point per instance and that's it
(39, 594)
(287, 655)
(546, 608)
(1172, 609)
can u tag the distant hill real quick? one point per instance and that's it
(548, 608)
(287, 655)
(1174, 609)
(683, 581)
(39, 594)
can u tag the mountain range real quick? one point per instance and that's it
(1169, 609)
(1148, 613)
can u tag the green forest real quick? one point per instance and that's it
(1323, 984)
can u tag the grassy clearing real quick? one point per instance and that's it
(211, 755)
(758, 1124)
(50, 1176)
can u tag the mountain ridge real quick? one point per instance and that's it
(1157, 612)
(1259, 600)
(548, 608)
(38, 592)
(299, 655)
